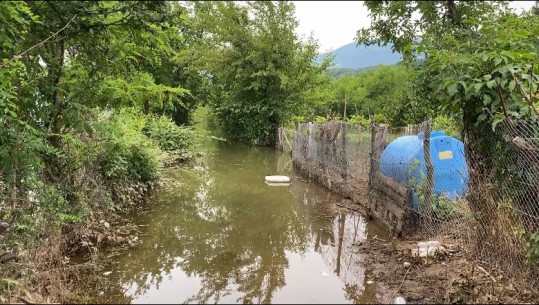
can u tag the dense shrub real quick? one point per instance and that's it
(167, 135)
(126, 154)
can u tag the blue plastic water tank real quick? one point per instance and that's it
(403, 160)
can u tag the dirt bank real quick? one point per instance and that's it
(62, 266)
(446, 278)
(450, 277)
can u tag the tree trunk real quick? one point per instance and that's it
(54, 170)
(453, 13)
(55, 124)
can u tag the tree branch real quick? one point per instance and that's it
(528, 98)
(531, 81)
(37, 45)
(502, 102)
(56, 10)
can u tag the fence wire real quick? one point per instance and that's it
(334, 154)
(496, 218)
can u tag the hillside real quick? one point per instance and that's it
(352, 56)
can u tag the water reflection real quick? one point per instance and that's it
(223, 236)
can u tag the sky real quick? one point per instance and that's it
(335, 23)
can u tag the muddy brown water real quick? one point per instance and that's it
(217, 233)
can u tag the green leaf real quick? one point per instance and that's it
(452, 89)
(495, 122)
(487, 99)
(477, 87)
(512, 85)
(463, 85)
(490, 84)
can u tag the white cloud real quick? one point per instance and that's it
(335, 23)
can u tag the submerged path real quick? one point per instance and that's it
(219, 233)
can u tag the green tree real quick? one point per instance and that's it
(260, 70)
(380, 90)
(406, 23)
(482, 66)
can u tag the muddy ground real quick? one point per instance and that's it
(448, 278)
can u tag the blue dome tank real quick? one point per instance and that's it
(403, 160)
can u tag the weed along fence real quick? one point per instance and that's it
(417, 181)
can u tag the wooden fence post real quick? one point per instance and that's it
(378, 143)
(428, 163)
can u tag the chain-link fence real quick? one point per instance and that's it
(503, 198)
(483, 196)
(334, 154)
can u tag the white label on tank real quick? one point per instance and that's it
(445, 155)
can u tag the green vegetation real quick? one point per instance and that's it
(480, 65)
(259, 70)
(84, 87)
(380, 94)
(95, 95)
(338, 72)
(531, 247)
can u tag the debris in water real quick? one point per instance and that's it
(277, 179)
(400, 300)
(107, 273)
(406, 264)
(369, 282)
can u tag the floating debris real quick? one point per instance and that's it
(277, 179)
(399, 300)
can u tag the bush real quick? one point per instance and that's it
(379, 118)
(167, 135)
(447, 124)
(127, 154)
(359, 120)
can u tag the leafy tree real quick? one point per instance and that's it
(260, 70)
(87, 54)
(62, 63)
(380, 90)
(406, 23)
(481, 65)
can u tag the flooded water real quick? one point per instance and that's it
(220, 234)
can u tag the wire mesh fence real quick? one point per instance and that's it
(503, 198)
(334, 154)
(483, 195)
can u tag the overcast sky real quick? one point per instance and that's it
(334, 23)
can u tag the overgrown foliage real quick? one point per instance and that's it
(259, 70)
(479, 63)
(385, 94)
(79, 81)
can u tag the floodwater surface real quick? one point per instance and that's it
(217, 233)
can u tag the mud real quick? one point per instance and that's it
(449, 278)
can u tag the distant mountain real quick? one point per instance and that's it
(354, 57)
